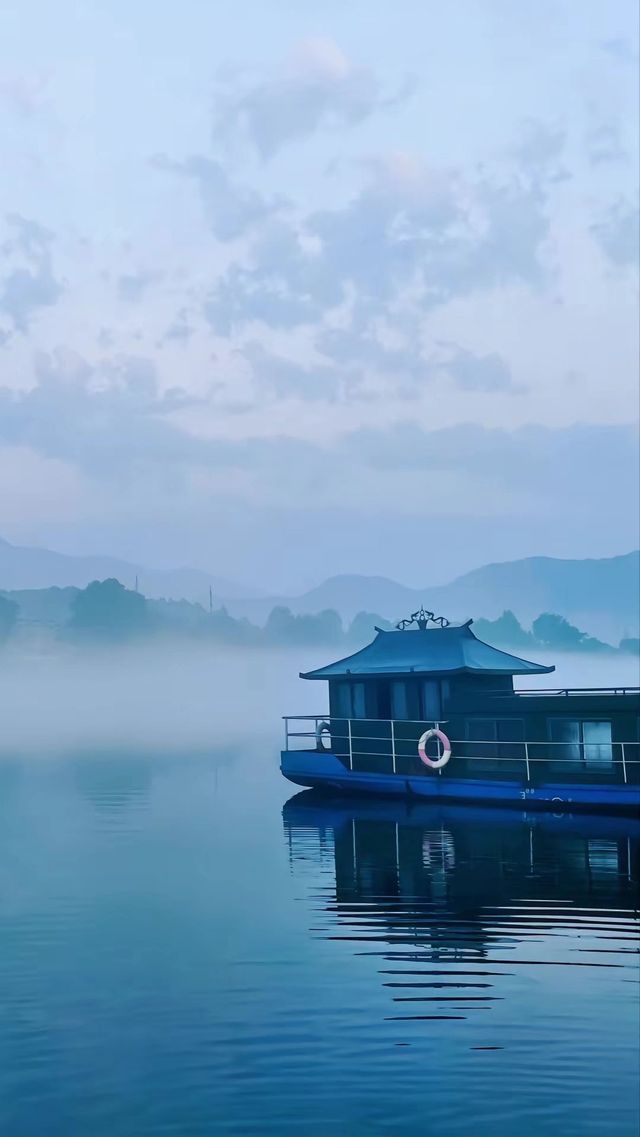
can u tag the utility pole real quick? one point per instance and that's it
(210, 600)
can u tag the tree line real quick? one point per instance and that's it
(107, 612)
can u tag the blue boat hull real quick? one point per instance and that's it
(325, 771)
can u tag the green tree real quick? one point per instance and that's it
(323, 628)
(223, 627)
(280, 627)
(283, 628)
(362, 628)
(106, 610)
(552, 631)
(507, 630)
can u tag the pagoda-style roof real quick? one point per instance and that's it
(427, 651)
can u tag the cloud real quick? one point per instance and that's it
(231, 210)
(111, 421)
(24, 94)
(180, 329)
(604, 144)
(30, 283)
(131, 287)
(618, 234)
(543, 463)
(540, 149)
(317, 86)
(360, 281)
(361, 347)
(283, 377)
(473, 372)
(410, 238)
(621, 50)
(113, 424)
(408, 367)
(284, 284)
(106, 419)
(124, 464)
(392, 231)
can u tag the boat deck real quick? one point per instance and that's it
(381, 755)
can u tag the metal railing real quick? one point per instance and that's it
(344, 733)
(576, 691)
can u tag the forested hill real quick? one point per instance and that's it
(107, 612)
(602, 596)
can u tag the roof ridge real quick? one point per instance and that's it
(392, 653)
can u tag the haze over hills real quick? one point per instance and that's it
(601, 596)
(24, 567)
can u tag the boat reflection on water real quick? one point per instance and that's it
(464, 904)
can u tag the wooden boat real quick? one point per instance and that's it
(431, 712)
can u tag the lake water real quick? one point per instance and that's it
(190, 947)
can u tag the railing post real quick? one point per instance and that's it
(526, 758)
(393, 746)
(624, 764)
(350, 745)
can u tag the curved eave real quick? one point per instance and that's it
(528, 666)
(533, 669)
(321, 672)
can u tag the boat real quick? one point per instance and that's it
(424, 881)
(428, 711)
(594, 858)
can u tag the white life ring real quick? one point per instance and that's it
(437, 763)
(322, 730)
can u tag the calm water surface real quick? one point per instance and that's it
(189, 947)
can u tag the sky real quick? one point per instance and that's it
(290, 289)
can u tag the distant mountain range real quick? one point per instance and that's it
(600, 596)
(24, 567)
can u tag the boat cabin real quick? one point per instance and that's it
(429, 675)
(413, 675)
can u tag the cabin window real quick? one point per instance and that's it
(350, 700)
(343, 700)
(511, 732)
(566, 737)
(383, 699)
(399, 700)
(430, 698)
(578, 740)
(492, 731)
(359, 706)
(598, 750)
(483, 732)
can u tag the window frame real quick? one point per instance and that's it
(582, 745)
(346, 699)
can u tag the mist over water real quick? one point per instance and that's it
(573, 669)
(160, 698)
(167, 697)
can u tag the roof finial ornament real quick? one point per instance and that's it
(422, 618)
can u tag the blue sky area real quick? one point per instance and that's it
(289, 289)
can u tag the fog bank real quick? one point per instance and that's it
(145, 698)
(186, 697)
